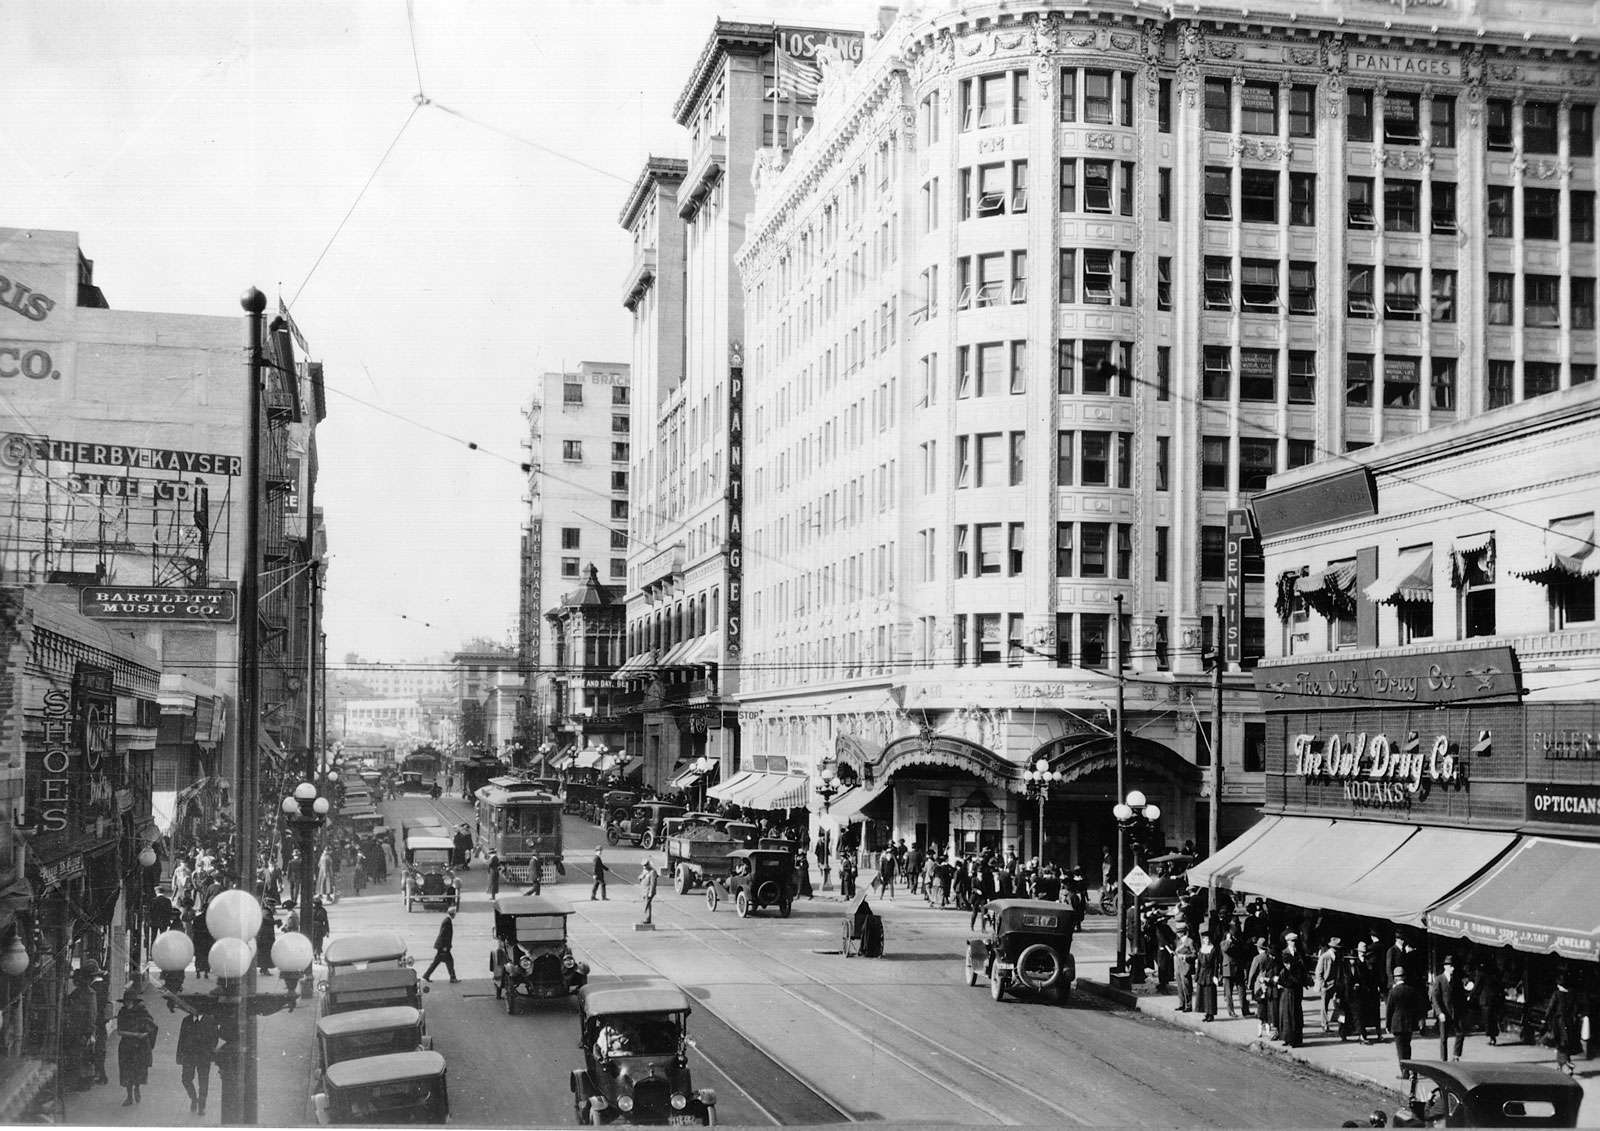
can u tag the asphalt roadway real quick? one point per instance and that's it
(786, 1030)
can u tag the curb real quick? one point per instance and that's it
(1106, 992)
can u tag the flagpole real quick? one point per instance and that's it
(776, 47)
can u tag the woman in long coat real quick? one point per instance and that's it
(1293, 977)
(136, 1031)
(1562, 1026)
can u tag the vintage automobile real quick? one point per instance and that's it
(370, 1032)
(762, 877)
(1028, 949)
(531, 958)
(366, 971)
(616, 805)
(1465, 1093)
(430, 879)
(643, 824)
(397, 1087)
(636, 1061)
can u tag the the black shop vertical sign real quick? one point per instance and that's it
(733, 626)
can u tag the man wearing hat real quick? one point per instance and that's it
(81, 1020)
(1449, 1000)
(1327, 964)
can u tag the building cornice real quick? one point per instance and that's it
(665, 171)
(727, 38)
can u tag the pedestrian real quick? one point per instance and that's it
(200, 936)
(1403, 1012)
(319, 926)
(1563, 1031)
(1208, 976)
(1262, 980)
(914, 868)
(1327, 964)
(442, 944)
(197, 1043)
(1357, 995)
(1491, 996)
(885, 881)
(1449, 1000)
(358, 875)
(847, 874)
(647, 887)
(494, 873)
(1292, 980)
(1237, 952)
(821, 852)
(1183, 969)
(80, 1019)
(327, 878)
(266, 935)
(1107, 867)
(946, 875)
(599, 866)
(136, 1032)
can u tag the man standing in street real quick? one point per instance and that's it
(599, 866)
(494, 874)
(442, 944)
(1403, 1012)
(1449, 1000)
(647, 887)
(197, 1042)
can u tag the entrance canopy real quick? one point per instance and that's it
(1380, 870)
(1540, 897)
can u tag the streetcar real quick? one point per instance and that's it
(522, 825)
(419, 773)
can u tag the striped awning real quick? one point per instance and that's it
(1568, 551)
(1410, 578)
(1335, 579)
(728, 790)
(687, 776)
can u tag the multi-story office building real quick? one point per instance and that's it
(1046, 294)
(579, 426)
(686, 219)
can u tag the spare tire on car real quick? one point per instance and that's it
(1038, 967)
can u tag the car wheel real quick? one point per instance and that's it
(680, 882)
(1038, 967)
(711, 898)
(741, 904)
(969, 975)
(612, 837)
(997, 986)
(648, 841)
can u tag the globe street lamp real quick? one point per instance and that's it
(1038, 781)
(828, 787)
(703, 766)
(1133, 814)
(234, 918)
(306, 813)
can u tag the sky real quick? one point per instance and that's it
(437, 256)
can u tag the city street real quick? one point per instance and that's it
(788, 1031)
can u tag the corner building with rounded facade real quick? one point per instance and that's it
(1045, 294)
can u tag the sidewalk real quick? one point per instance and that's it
(1375, 1064)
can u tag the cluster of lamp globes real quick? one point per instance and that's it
(1136, 806)
(1042, 775)
(233, 917)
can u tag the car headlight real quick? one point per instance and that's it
(568, 962)
(526, 964)
(679, 1101)
(625, 1103)
(708, 1096)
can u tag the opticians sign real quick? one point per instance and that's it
(1564, 804)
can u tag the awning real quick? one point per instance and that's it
(687, 776)
(1383, 871)
(725, 791)
(1474, 543)
(1410, 578)
(1539, 898)
(704, 650)
(636, 665)
(563, 759)
(777, 791)
(850, 804)
(1336, 579)
(1568, 551)
(587, 760)
(673, 657)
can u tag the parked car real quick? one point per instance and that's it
(617, 805)
(762, 877)
(642, 825)
(366, 971)
(531, 958)
(636, 1063)
(1028, 949)
(398, 1087)
(1465, 1093)
(430, 878)
(370, 1032)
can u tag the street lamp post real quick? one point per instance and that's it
(306, 813)
(1134, 812)
(703, 765)
(1038, 781)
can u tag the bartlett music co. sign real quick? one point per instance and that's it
(162, 603)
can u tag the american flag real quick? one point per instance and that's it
(795, 77)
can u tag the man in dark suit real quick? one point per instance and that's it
(442, 943)
(1403, 1012)
(1449, 1000)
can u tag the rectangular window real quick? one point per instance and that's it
(1216, 378)
(1401, 205)
(1214, 463)
(991, 279)
(1442, 386)
(1097, 186)
(1477, 593)
(1163, 373)
(619, 424)
(1163, 648)
(1125, 187)
(1582, 374)
(1124, 550)
(1069, 94)
(571, 393)
(572, 450)
(990, 355)
(1258, 285)
(1580, 131)
(1097, 277)
(1067, 277)
(1213, 553)
(1540, 377)
(1258, 459)
(1302, 377)
(1095, 549)
(1258, 196)
(619, 540)
(1401, 119)
(1540, 213)
(1400, 298)
(1019, 366)
(1358, 379)
(1019, 186)
(1094, 466)
(1358, 291)
(1258, 375)
(619, 453)
(1097, 97)
(1442, 306)
(1019, 96)
(1402, 382)
(1580, 228)
(1103, 364)
(963, 554)
(569, 537)
(1442, 217)
(1018, 451)
(1541, 300)
(619, 480)
(1218, 193)
(1218, 283)
(1163, 282)
(1093, 640)
(1502, 294)
(1219, 105)
(1014, 546)
(1064, 549)
(1443, 120)
(1164, 194)
(1499, 200)
(619, 394)
(1358, 115)
(964, 371)
(1502, 383)
(1301, 452)
(1019, 276)
(1302, 200)
(988, 626)
(1302, 111)
(569, 567)
(1258, 109)
(1065, 383)
(963, 462)
(1124, 459)
(1164, 106)
(1163, 463)
(989, 548)
(1358, 202)
(1064, 475)
(1583, 309)
(1163, 553)
(1302, 288)
(619, 508)
(991, 459)
(1538, 127)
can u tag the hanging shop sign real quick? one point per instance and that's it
(1564, 804)
(1472, 675)
(733, 617)
(73, 766)
(162, 603)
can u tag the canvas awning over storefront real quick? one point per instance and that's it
(776, 791)
(726, 791)
(1380, 870)
(687, 776)
(1410, 578)
(853, 803)
(1540, 897)
(1567, 551)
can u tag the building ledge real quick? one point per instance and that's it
(705, 170)
(640, 279)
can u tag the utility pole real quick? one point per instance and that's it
(306, 880)
(1121, 972)
(1216, 755)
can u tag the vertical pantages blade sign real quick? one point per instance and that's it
(733, 627)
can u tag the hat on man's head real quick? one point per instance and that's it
(130, 994)
(1336, 941)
